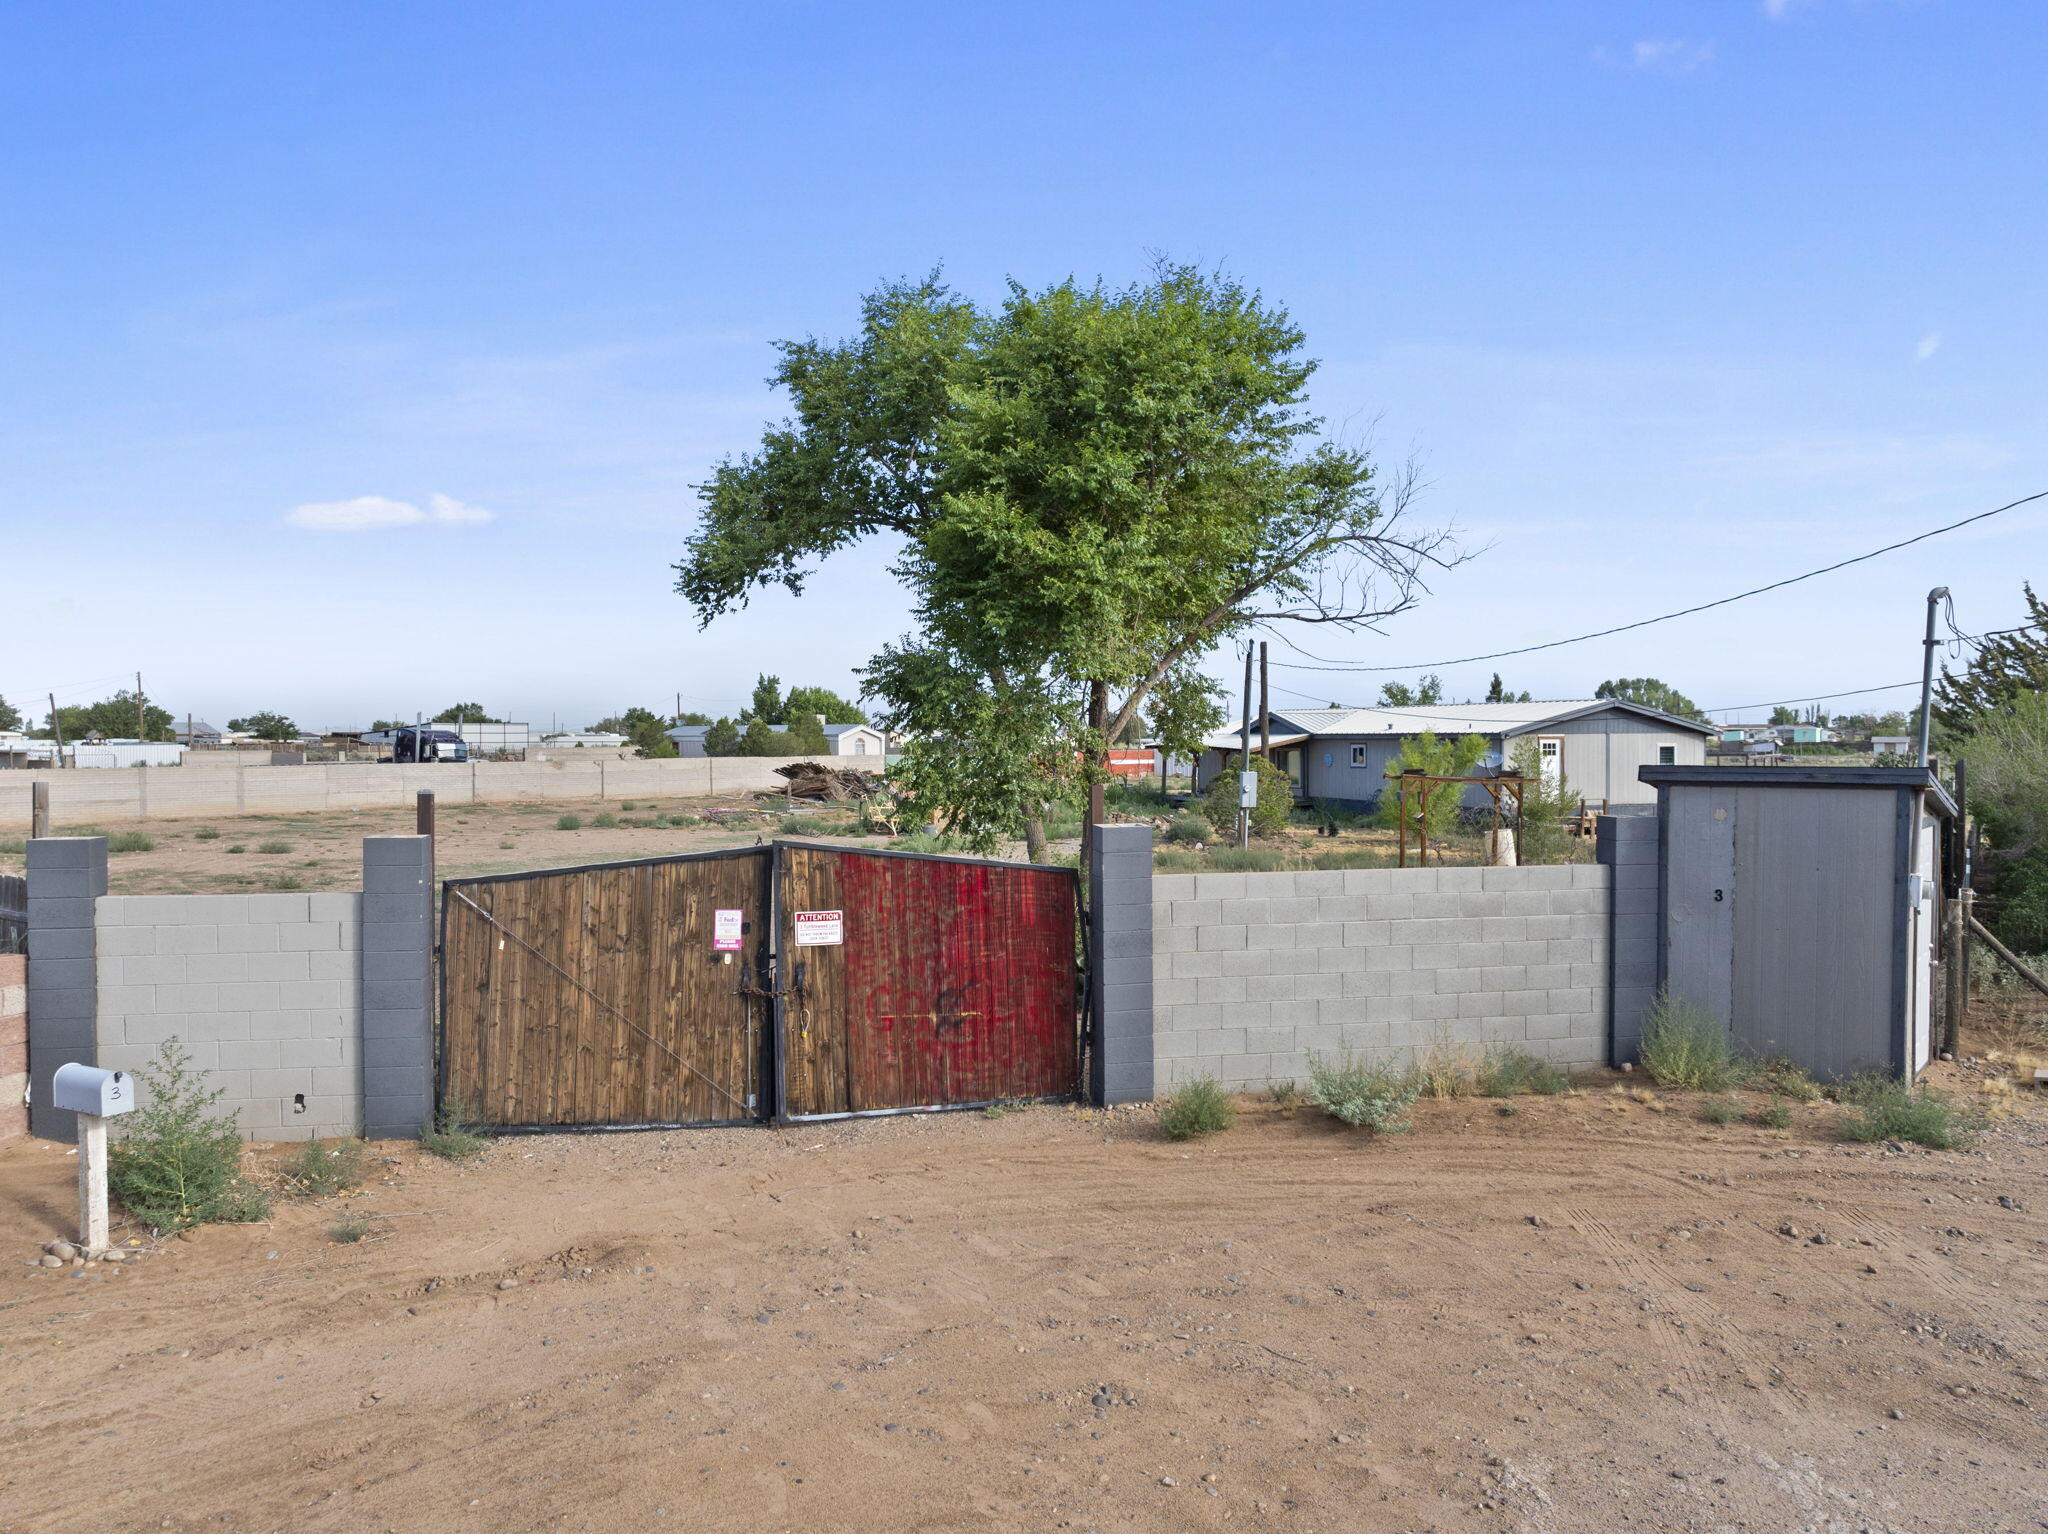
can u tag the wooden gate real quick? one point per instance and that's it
(603, 995)
(799, 980)
(912, 981)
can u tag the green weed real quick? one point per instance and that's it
(454, 1135)
(176, 1163)
(1685, 1045)
(1200, 1107)
(1719, 1110)
(274, 849)
(1777, 1116)
(321, 1167)
(206, 834)
(1897, 1110)
(348, 1230)
(569, 823)
(131, 841)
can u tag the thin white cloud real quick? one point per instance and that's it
(1778, 10)
(365, 513)
(445, 508)
(1929, 345)
(1670, 55)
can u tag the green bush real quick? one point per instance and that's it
(928, 841)
(808, 825)
(174, 1163)
(1897, 1110)
(627, 804)
(284, 884)
(274, 849)
(131, 841)
(237, 847)
(350, 1229)
(1719, 1110)
(1247, 860)
(605, 820)
(1776, 1116)
(454, 1135)
(1548, 1080)
(1284, 1093)
(1189, 828)
(1276, 798)
(206, 834)
(569, 823)
(1198, 1108)
(320, 1168)
(1684, 1045)
(1504, 1071)
(1361, 1094)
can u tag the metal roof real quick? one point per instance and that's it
(1465, 718)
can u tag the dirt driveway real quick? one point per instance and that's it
(1587, 1316)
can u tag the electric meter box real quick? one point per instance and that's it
(88, 1089)
(1247, 790)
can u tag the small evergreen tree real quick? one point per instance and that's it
(1438, 756)
(722, 739)
(2004, 668)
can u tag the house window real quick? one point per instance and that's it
(1358, 756)
(860, 745)
(1667, 756)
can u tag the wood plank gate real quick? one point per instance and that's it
(794, 981)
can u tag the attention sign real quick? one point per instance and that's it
(820, 929)
(726, 927)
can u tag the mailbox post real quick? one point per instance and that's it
(95, 1096)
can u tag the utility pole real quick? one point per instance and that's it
(1265, 709)
(56, 731)
(1937, 595)
(1244, 755)
(141, 733)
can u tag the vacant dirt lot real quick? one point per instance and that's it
(252, 853)
(1588, 1315)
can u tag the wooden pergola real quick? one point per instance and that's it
(1425, 786)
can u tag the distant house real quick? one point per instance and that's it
(1343, 754)
(1896, 745)
(583, 740)
(198, 733)
(1804, 734)
(851, 739)
(18, 750)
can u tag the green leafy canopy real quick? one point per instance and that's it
(1089, 488)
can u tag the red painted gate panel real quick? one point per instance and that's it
(954, 981)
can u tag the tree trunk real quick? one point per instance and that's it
(1034, 839)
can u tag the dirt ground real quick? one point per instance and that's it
(324, 851)
(1596, 1313)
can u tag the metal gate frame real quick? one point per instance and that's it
(771, 1105)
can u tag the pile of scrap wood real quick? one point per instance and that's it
(834, 785)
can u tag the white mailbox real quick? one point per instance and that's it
(88, 1089)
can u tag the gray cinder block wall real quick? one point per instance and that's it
(398, 944)
(261, 990)
(66, 874)
(1121, 938)
(1630, 846)
(1251, 971)
(312, 1011)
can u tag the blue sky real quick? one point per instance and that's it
(1668, 300)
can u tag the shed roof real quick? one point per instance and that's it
(1922, 778)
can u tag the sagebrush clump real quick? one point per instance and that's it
(174, 1163)
(1685, 1045)
(1897, 1110)
(1362, 1094)
(1200, 1107)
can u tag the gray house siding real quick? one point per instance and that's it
(1602, 752)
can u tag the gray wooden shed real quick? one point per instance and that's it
(1802, 906)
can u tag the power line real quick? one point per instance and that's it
(1683, 612)
(1819, 697)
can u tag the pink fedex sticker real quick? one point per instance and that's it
(726, 927)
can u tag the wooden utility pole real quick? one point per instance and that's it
(141, 725)
(39, 809)
(423, 813)
(56, 731)
(1265, 709)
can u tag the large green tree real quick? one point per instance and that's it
(643, 727)
(115, 718)
(2003, 668)
(267, 725)
(1088, 489)
(1651, 693)
(465, 713)
(1427, 691)
(10, 716)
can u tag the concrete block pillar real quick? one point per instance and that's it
(66, 874)
(1120, 940)
(398, 986)
(1632, 845)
